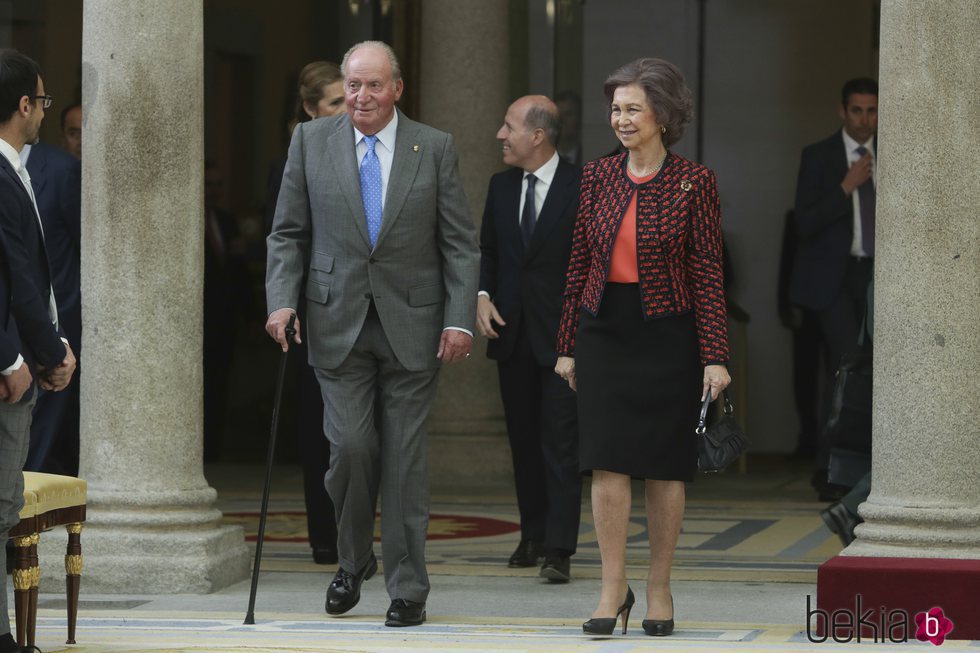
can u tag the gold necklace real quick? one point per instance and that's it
(652, 170)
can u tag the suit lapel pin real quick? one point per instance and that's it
(415, 148)
(686, 185)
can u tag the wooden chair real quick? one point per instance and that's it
(49, 500)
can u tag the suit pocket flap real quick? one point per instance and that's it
(317, 292)
(425, 295)
(322, 262)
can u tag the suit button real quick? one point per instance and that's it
(368, 295)
(372, 260)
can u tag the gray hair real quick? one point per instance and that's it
(544, 118)
(396, 71)
(667, 94)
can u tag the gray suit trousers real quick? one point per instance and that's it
(15, 436)
(374, 417)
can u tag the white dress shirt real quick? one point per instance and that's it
(851, 146)
(384, 149)
(545, 175)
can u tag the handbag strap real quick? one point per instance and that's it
(729, 410)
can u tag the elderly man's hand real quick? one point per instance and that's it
(275, 326)
(454, 345)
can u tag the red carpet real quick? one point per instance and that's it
(915, 598)
(290, 526)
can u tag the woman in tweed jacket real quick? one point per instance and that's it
(643, 335)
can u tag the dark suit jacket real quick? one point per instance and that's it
(30, 275)
(824, 224)
(9, 339)
(57, 180)
(527, 286)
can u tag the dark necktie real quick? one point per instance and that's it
(866, 202)
(529, 215)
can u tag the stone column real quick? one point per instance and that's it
(152, 527)
(917, 556)
(463, 90)
(925, 499)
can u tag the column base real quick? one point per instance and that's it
(125, 561)
(890, 592)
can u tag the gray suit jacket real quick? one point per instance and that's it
(422, 274)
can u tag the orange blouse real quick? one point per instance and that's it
(623, 267)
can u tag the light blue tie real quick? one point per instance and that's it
(371, 189)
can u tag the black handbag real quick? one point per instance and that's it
(720, 444)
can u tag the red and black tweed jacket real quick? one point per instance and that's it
(678, 248)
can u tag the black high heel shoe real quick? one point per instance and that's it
(606, 625)
(660, 627)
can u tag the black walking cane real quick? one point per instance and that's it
(250, 615)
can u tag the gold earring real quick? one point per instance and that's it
(663, 130)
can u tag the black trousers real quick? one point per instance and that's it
(840, 324)
(808, 371)
(542, 425)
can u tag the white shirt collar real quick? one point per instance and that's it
(850, 144)
(9, 153)
(547, 171)
(386, 136)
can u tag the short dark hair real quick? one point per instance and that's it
(667, 93)
(18, 77)
(858, 85)
(540, 117)
(64, 113)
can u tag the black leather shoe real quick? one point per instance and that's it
(527, 554)
(841, 521)
(345, 590)
(403, 612)
(556, 568)
(325, 555)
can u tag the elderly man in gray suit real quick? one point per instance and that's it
(372, 214)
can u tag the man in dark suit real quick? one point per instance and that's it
(56, 177)
(526, 239)
(835, 216)
(372, 214)
(32, 346)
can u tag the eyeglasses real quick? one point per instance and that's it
(48, 99)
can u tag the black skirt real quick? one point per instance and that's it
(639, 389)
